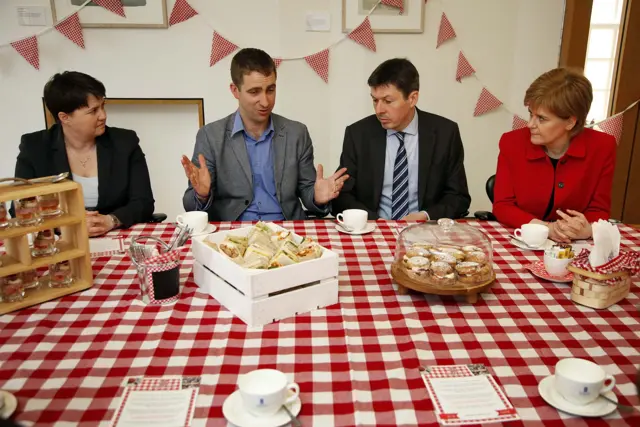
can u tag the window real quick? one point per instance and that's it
(602, 51)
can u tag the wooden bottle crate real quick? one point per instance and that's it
(73, 244)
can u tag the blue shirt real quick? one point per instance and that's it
(411, 147)
(265, 205)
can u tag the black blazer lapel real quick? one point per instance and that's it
(378, 147)
(426, 146)
(59, 159)
(104, 151)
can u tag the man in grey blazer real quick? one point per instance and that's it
(259, 165)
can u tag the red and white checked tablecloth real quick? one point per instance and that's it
(356, 362)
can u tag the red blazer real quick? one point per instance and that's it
(525, 178)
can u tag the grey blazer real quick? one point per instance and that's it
(231, 176)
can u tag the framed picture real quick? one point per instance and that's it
(139, 14)
(384, 19)
(49, 120)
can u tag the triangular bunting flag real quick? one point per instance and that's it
(278, 61)
(446, 31)
(612, 126)
(363, 34)
(114, 6)
(28, 48)
(72, 29)
(395, 3)
(518, 122)
(220, 47)
(181, 11)
(320, 63)
(486, 102)
(464, 68)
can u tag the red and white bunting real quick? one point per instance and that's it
(28, 48)
(518, 122)
(277, 61)
(464, 68)
(72, 29)
(395, 3)
(613, 126)
(446, 31)
(220, 47)
(363, 34)
(114, 6)
(320, 63)
(486, 102)
(181, 12)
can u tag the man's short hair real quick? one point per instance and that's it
(249, 60)
(399, 72)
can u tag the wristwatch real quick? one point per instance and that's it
(116, 221)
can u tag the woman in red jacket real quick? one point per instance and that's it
(554, 171)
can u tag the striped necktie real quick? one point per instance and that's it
(400, 194)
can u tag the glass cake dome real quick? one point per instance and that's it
(447, 256)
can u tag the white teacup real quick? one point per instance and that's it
(353, 219)
(533, 235)
(581, 381)
(264, 391)
(556, 266)
(195, 220)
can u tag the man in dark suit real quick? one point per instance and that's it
(403, 163)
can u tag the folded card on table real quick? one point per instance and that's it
(106, 246)
(160, 402)
(467, 394)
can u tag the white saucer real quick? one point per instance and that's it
(10, 404)
(546, 245)
(234, 411)
(210, 228)
(366, 230)
(598, 408)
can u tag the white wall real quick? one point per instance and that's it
(509, 42)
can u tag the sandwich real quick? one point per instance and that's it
(283, 258)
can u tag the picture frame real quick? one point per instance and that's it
(49, 120)
(384, 19)
(139, 14)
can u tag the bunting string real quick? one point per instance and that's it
(47, 29)
(70, 27)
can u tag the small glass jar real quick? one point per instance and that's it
(28, 211)
(50, 205)
(4, 217)
(60, 275)
(44, 243)
(12, 289)
(30, 279)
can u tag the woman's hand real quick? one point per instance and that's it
(557, 234)
(574, 225)
(97, 224)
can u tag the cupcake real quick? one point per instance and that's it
(455, 252)
(442, 273)
(476, 256)
(444, 257)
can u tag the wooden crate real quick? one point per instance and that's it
(73, 245)
(591, 290)
(259, 296)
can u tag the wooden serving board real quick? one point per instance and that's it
(469, 291)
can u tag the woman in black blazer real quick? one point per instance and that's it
(107, 162)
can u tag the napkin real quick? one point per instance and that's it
(606, 243)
